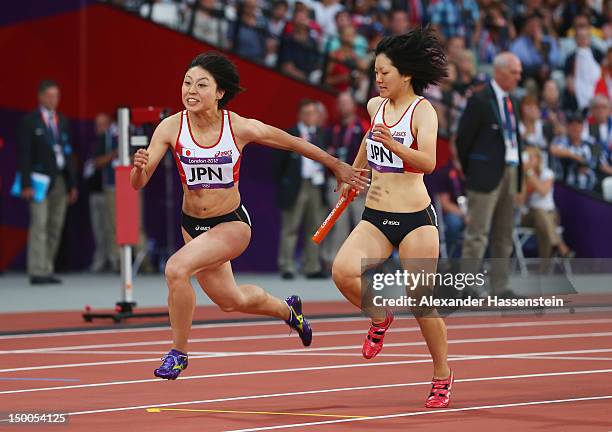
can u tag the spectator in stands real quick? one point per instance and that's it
(247, 36)
(346, 70)
(538, 52)
(541, 212)
(455, 46)
(573, 157)
(325, 12)
(44, 146)
(532, 127)
(301, 183)
(323, 117)
(574, 8)
(163, 12)
(209, 24)
(457, 18)
(606, 29)
(441, 98)
(604, 85)
(299, 55)
(497, 31)
(455, 216)
(604, 166)
(342, 140)
(466, 72)
(528, 8)
(417, 10)
(360, 43)
(399, 23)
(568, 43)
(314, 28)
(582, 68)
(278, 18)
(553, 116)
(276, 27)
(598, 130)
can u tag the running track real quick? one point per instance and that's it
(513, 373)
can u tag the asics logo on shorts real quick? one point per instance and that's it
(201, 228)
(391, 222)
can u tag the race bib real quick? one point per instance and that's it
(207, 173)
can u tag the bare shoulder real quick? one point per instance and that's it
(424, 110)
(168, 128)
(424, 117)
(245, 129)
(374, 104)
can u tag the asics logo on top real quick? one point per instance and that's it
(390, 222)
(399, 134)
(223, 153)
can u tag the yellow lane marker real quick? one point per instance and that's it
(157, 410)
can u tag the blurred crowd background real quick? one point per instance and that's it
(565, 92)
(564, 47)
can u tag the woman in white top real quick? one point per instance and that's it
(531, 126)
(400, 147)
(207, 143)
(542, 215)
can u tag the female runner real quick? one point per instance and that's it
(399, 147)
(207, 142)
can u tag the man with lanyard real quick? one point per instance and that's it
(488, 144)
(44, 149)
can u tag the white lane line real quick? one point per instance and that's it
(203, 354)
(563, 358)
(328, 354)
(343, 389)
(412, 414)
(320, 349)
(316, 320)
(166, 327)
(317, 334)
(519, 356)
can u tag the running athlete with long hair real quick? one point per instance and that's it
(207, 143)
(399, 148)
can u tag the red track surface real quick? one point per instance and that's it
(550, 372)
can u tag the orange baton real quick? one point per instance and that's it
(333, 216)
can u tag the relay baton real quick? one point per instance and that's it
(333, 216)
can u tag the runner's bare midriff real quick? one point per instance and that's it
(397, 192)
(210, 203)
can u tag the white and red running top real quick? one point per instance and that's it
(207, 167)
(383, 160)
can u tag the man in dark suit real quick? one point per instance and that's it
(489, 149)
(301, 184)
(44, 147)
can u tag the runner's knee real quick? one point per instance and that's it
(175, 272)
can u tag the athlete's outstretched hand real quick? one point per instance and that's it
(345, 189)
(354, 177)
(141, 158)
